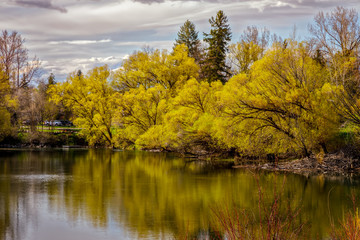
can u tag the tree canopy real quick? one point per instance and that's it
(279, 96)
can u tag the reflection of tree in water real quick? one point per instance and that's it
(20, 193)
(153, 194)
(15, 211)
(18, 198)
(147, 194)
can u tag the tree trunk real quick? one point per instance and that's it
(323, 146)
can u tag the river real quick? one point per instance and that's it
(104, 194)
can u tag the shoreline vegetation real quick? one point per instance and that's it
(262, 98)
(331, 164)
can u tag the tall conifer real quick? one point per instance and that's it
(189, 36)
(215, 67)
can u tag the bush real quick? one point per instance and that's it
(349, 227)
(276, 218)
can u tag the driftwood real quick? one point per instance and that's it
(330, 164)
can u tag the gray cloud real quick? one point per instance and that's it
(149, 1)
(41, 4)
(205, 1)
(80, 42)
(93, 30)
(49, 4)
(293, 3)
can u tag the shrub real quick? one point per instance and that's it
(349, 227)
(276, 218)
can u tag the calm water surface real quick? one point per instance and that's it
(101, 194)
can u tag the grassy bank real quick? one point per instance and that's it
(44, 137)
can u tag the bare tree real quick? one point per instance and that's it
(19, 70)
(337, 32)
(251, 47)
(259, 37)
(336, 37)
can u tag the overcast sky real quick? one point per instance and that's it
(67, 35)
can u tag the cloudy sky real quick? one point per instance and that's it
(67, 35)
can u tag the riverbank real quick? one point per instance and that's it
(38, 140)
(336, 164)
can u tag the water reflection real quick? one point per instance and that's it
(92, 194)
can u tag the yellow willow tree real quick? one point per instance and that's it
(6, 103)
(147, 82)
(188, 123)
(140, 109)
(91, 98)
(283, 105)
(251, 47)
(152, 67)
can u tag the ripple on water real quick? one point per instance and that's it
(40, 177)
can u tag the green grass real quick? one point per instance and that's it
(54, 129)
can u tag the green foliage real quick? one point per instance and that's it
(51, 79)
(215, 67)
(188, 36)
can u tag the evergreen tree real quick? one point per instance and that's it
(189, 37)
(51, 79)
(79, 73)
(220, 35)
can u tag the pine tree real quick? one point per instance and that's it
(51, 79)
(215, 67)
(188, 36)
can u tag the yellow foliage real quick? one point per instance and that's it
(140, 109)
(6, 102)
(193, 114)
(92, 99)
(5, 125)
(283, 104)
(149, 68)
(243, 54)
